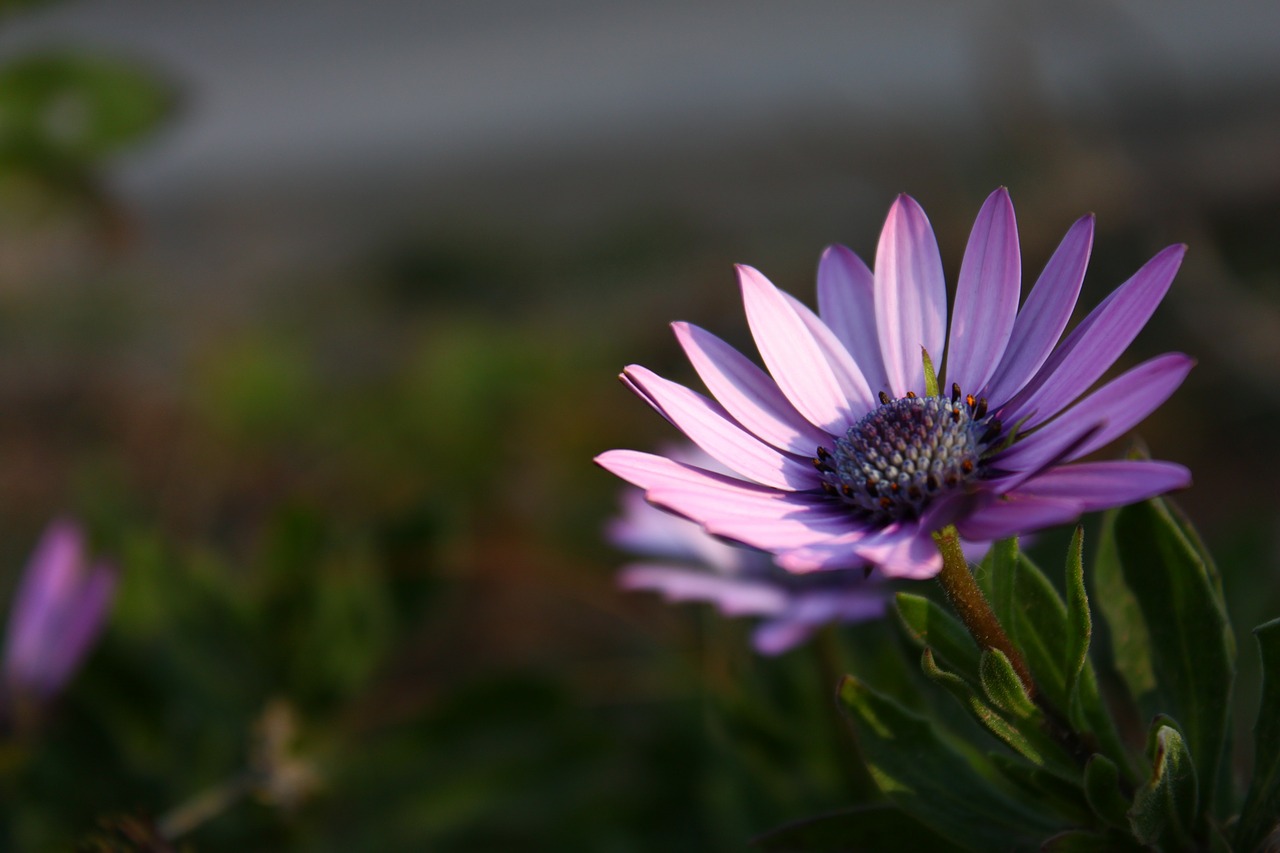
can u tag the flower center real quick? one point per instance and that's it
(901, 456)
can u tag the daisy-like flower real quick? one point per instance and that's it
(686, 564)
(842, 457)
(58, 611)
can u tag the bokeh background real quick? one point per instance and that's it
(311, 311)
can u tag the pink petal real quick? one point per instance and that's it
(710, 427)
(796, 361)
(911, 295)
(1097, 342)
(847, 304)
(747, 392)
(1125, 401)
(986, 295)
(1014, 514)
(734, 596)
(1044, 315)
(852, 383)
(1100, 485)
(1047, 447)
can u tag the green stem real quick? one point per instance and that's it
(971, 605)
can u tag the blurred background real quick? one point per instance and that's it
(312, 311)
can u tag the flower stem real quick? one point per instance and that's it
(971, 606)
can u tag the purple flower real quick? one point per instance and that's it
(695, 566)
(844, 459)
(58, 611)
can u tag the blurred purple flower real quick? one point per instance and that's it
(739, 581)
(58, 611)
(843, 459)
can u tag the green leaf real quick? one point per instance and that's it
(1164, 810)
(925, 777)
(1027, 740)
(1038, 625)
(1102, 790)
(1192, 649)
(1130, 640)
(1080, 841)
(933, 628)
(1053, 789)
(1003, 687)
(930, 375)
(1261, 814)
(1079, 623)
(995, 576)
(871, 827)
(82, 106)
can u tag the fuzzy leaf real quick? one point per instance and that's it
(1079, 623)
(1026, 740)
(1192, 648)
(925, 777)
(871, 827)
(1102, 790)
(1039, 625)
(934, 628)
(995, 576)
(1261, 815)
(1164, 809)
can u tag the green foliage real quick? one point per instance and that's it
(926, 777)
(871, 827)
(1261, 815)
(1192, 650)
(1165, 809)
(78, 107)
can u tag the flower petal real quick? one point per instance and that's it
(754, 515)
(986, 295)
(1097, 342)
(899, 550)
(847, 304)
(796, 361)
(747, 392)
(734, 596)
(1126, 400)
(82, 621)
(1044, 315)
(710, 427)
(1038, 451)
(911, 295)
(48, 585)
(853, 384)
(1101, 485)
(809, 611)
(1016, 513)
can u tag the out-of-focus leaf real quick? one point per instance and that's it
(1164, 809)
(928, 779)
(1261, 814)
(1102, 790)
(1080, 841)
(871, 827)
(1192, 648)
(81, 106)
(934, 628)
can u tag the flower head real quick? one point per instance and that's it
(691, 565)
(57, 613)
(845, 454)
